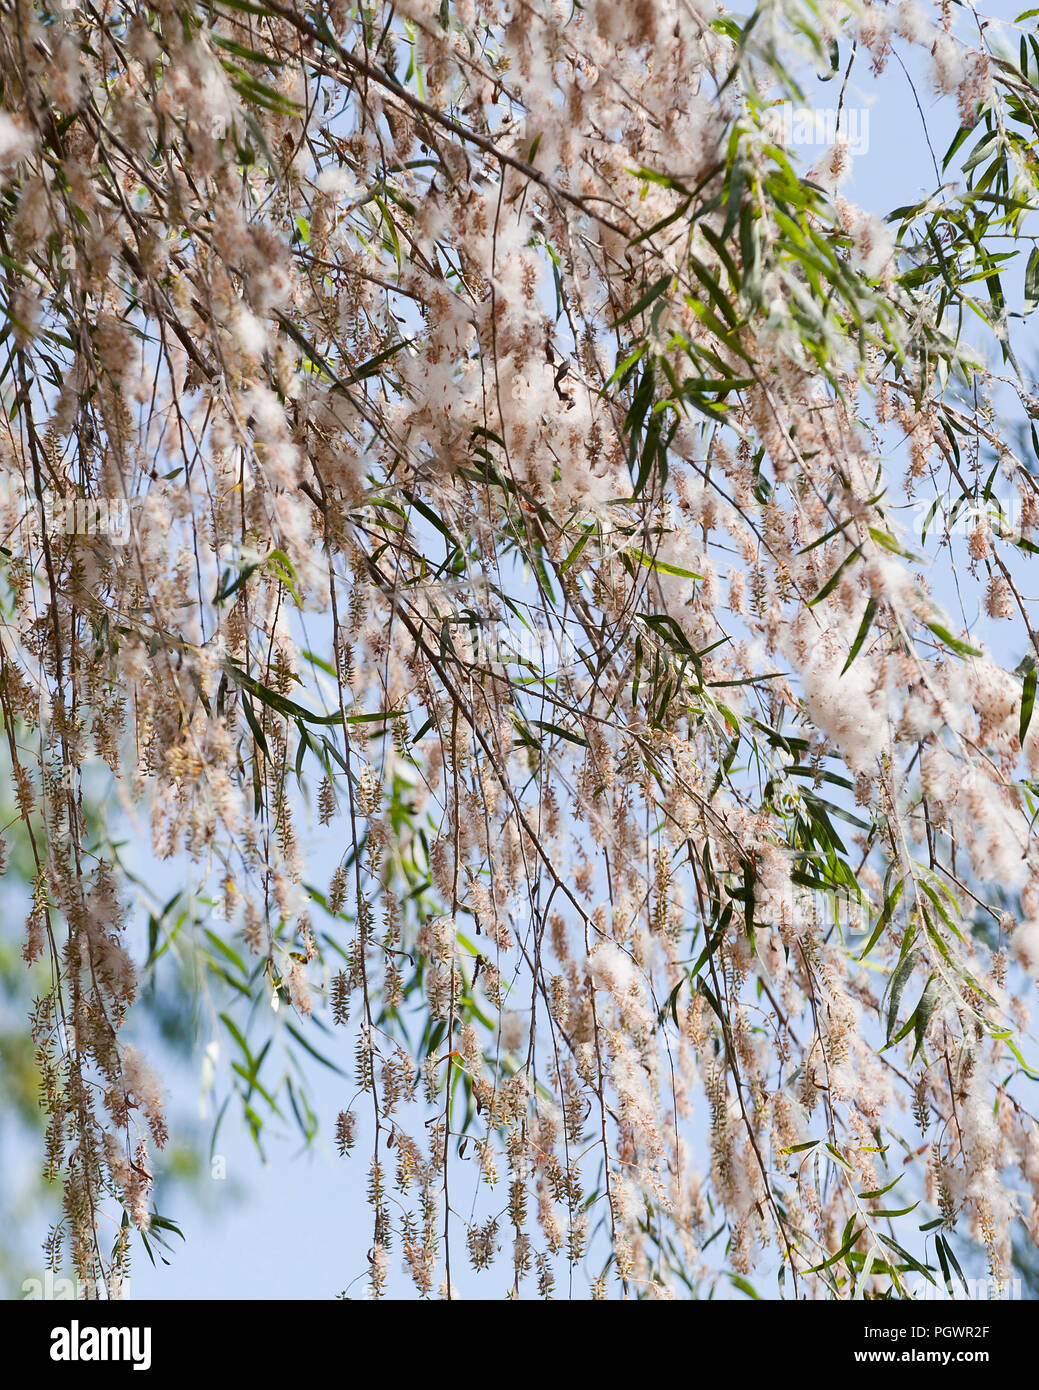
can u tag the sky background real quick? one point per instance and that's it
(298, 1226)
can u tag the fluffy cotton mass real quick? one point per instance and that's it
(15, 143)
(853, 708)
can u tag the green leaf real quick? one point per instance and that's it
(849, 1241)
(645, 301)
(834, 578)
(254, 725)
(1027, 703)
(885, 917)
(1031, 299)
(743, 1285)
(879, 1191)
(898, 983)
(910, 1260)
(660, 565)
(955, 644)
(889, 543)
(860, 636)
(945, 1253)
(560, 732)
(580, 545)
(308, 1047)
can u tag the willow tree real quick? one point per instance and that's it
(468, 426)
